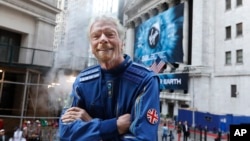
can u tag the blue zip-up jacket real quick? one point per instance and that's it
(108, 94)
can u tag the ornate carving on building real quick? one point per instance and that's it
(145, 9)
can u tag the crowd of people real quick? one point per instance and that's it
(32, 131)
(181, 129)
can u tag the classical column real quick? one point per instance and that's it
(130, 39)
(187, 30)
(176, 107)
(164, 107)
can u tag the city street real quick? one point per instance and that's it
(180, 62)
(193, 137)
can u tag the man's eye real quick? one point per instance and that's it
(110, 34)
(95, 36)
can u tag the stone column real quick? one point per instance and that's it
(186, 29)
(176, 107)
(164, 108)
(130, 39)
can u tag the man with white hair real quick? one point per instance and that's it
(117, 100)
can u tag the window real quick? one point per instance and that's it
(228, 4)
(10, 45)
(228, 32)
(239, 29)
(238, 2)
(239, 56)
(233, 90)
(228, 58)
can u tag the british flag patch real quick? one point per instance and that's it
(152, 116)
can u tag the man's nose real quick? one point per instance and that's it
(103, 38)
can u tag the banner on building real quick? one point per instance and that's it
(178, 81)
(161, 36)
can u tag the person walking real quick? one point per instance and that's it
(179, 130)
(171, 135)
(186, 131)
(116, 100)
(164, 132)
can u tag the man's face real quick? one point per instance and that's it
(105, 41)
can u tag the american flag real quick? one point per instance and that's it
(157, 65)
(152, 116)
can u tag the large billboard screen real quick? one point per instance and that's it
(160, 36)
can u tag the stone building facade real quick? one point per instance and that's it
(216, 36)
(26, 56)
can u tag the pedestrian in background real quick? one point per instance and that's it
(186, 131)
(179, 130)
(171, 135)
(164, 132)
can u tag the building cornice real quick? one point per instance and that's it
(138, 9)
(28, 12)
(46, 6)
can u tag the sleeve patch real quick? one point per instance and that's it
(152, 116)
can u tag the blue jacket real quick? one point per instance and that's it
(107, 94)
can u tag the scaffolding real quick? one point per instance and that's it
(24, 99)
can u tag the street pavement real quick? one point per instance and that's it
(194, 136)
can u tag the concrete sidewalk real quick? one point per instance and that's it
(194, 135)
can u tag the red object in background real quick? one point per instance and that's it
(1, 123)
